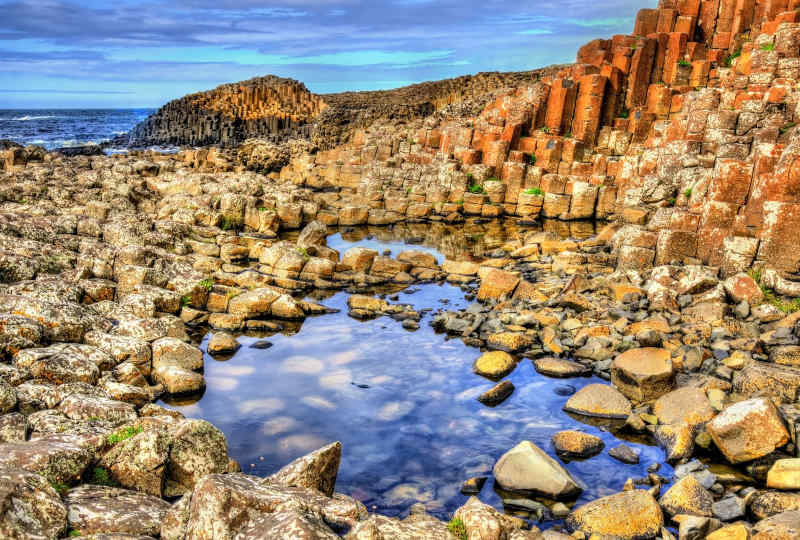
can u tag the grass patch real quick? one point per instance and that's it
(624, 113)
(477, 189)
(229, 224)
(457, 528)
(74, 533)
(186, 300)
(787, 127)
(731, 58)
(688, 193)
(207, 284)
(771, 297)
(533, 160)
(534, 191)
(545, 130)
(303, 252)
(124, 434)
(460, 202)
(684, 63)
(60, 487)
(768, 47)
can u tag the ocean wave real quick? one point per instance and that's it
(28, 118)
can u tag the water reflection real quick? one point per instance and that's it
(402, 403)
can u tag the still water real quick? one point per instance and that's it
(403, 403)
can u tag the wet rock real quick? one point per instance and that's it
(30, 507)
(643, 374)
(473, 486)
(628, 515)
(784, 526)
(577, 444)
(101, 509)
(497, 394)
(599, 400)
(624, 454)
(555, 367)
(222, 343)
(687, 496)
(527, 468)
(316, 470)
(494, 364)
(748, 430)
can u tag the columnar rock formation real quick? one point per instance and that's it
(261, 107)
(684, 130)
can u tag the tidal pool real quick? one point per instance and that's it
(403, 403)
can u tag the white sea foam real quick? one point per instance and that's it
(28, 118)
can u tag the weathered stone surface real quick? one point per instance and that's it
(643, 374)
(555, 367)
(685, 405)
(577, 444)
(316, 470)
(784, 526)
(748, 430)
(482, 521)
(494, 364)
(101, 509)
(58, 458)
(599, 400)
(527, 468)
(687, 496)
(769, 503)
(497, 284)
(628, 515)
(784, 474)
(140, 462)
(197, 449)
(31, 508)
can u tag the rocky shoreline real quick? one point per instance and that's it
(679, 141)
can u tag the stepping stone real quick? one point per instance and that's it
(643, 374)
(555, 367)
(577, 444)
(599, 400)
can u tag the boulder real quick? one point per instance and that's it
(197, 449)
(643, 374)
(769, 503)
(316, 470)
(599, 400)
(576, 444)
(497, 284)
(629, 515)
(29, 507)
(8, 397)
(140, 462)
(527, 468)
(57, 367)
(60, 459)
(748, 430)
(169, 351)
(101, 509)
(484, 522)
(783, 526)
(688, 405)
(222, 343)
(313, 234)
(743, 288)
(688, 497)
(784, 474)
(494, 364)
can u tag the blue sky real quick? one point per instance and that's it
(126, 53)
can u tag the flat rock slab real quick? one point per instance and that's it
(527, 468)
(101, 509)
(643, 374)
(599, 400)
(688, 405)
(629, 515)
(555, 367)
(58, 458)
(748, 430)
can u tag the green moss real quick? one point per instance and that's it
(688, 193)
(768, 47)
(101, 477)
(732, 58)
(124, 434)
(207, 284)
(787, 127)
(186, 300)
(74, 533)
(457, 528)
(475, 188)
(672, 201)
(545, 129)
(60, 487)
(771, 297)
(533, 159)
(684, 63)
(534, 191)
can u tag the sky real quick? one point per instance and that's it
(131, 53)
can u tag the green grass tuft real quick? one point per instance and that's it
(475, 188)
(457, 528)
(534, 191)
(688, 193)
(101, 477)
(768, 47)
(207, 284)
(124, 434)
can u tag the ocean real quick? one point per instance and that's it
(58, 128)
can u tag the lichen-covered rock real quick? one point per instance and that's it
(688, 497)
(685, 405)
(630, 515)
(140, 462)
(643, 374)
(784, 526)
(494, 364)
(58, 458)
(13, 428)
(197, 449)
(484, 522)
(83, 407)
(316, 470)
(30, 509)
(17, 333)
(57, 367)
(100, 509)
(576, 444)
(527, 468)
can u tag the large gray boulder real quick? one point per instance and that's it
(527, 468)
